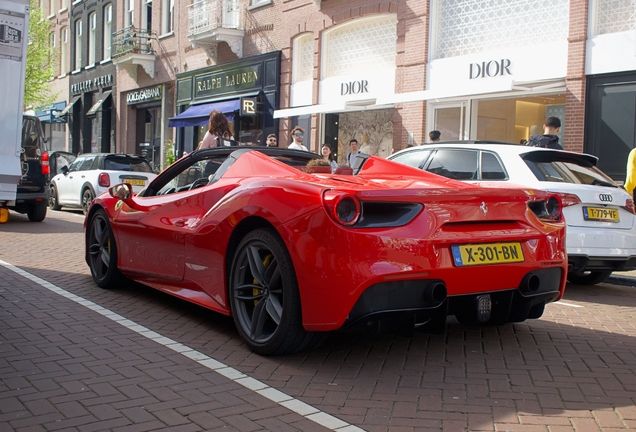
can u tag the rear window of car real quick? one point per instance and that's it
(569, 172)
(455, 164)
(31, 133)
(119, 163)
(413, 158)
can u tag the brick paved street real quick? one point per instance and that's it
(134, 359)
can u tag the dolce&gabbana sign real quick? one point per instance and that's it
(243, 78)
(92, 84)
(144, 95)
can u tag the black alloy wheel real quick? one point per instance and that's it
(264, 296)
(87, 199)
(102, 251)
(53, 202)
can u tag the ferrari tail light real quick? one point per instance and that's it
(629, 206)
(550, 209)
(569, 199)
(104, 180)
(344, 208)
(46, 169)
(554, 205)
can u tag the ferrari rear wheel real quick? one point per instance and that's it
(588, 277)
(264, 296)
(102, 251)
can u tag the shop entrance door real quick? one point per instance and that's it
(611, 122)
(450, 120)
(152, 136)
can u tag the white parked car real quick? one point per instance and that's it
(598, 212)
(90, 174)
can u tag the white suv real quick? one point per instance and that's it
(90, 174)
(599, 213)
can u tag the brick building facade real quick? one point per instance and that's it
(387, 72)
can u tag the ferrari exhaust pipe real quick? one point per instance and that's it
(530, 283)
(435, 293)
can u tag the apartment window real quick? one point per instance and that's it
(167, 14)
(52, 46)
(303, 61)
(52, 7)
(63, 52)
(64, 4)
(108, 30)
(474, 26)
(128, 14)
(146, 15)
(361, 44)
(612, 16)
(92, 40)
(78, 44)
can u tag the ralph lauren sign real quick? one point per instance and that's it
(490, 68)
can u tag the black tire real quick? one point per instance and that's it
(37, 211)
(87, 198)
(264, 296)
(102, 251)
(53, 203)
(588, 277)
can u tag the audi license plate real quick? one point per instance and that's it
(488, 253)
(135, 182)
(600, 214)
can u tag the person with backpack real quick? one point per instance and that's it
(550, 138)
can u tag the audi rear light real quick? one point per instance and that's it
(629, 206)
(46, 169)
(554, 206)
(344, 208)
(550, 209)
(569, 199)
(104, 180)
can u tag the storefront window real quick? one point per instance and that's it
(450, 122)
(515, 119)
(95, 136)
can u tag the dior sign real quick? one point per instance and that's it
(490, 68)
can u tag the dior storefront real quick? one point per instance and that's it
(358, 64)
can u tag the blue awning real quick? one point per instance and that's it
(198, 115)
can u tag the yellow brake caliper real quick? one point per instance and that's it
(266, 262)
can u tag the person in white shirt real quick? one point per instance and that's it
(298, 135)
(351, 157)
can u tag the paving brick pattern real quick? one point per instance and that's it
(64, 367)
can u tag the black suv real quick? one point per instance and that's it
(33, 189)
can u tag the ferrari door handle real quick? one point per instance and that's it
(180, 223)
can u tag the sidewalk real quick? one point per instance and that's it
(623, 278)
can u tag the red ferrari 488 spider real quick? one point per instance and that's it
(292, 252)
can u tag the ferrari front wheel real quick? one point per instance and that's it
(264, 295)
(102, 251)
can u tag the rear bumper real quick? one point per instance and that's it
(414, 302)
(589, 263)
(601, 243)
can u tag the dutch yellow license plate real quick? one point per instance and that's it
(487, 253)
(600, 214)
(135, 182)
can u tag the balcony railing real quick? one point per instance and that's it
(132, 40)
(207, 15)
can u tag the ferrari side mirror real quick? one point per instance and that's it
(121, 191)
